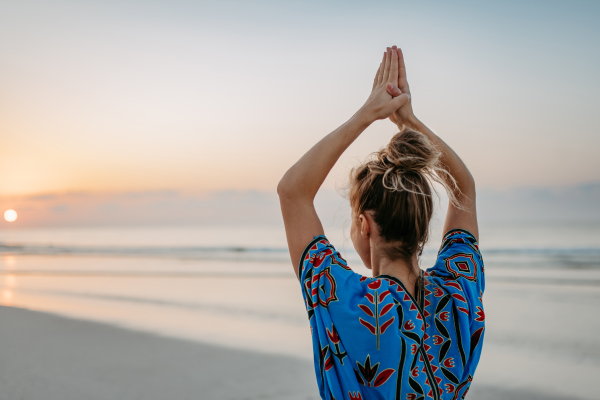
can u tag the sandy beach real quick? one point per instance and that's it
(212, 324)
(47, 357)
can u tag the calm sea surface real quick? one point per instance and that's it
(234, 286)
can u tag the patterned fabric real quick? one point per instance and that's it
(373, 340)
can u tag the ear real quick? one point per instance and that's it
(365, 227)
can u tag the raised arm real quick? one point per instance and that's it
(298, 187)
(465, 216)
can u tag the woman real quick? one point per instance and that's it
(404, 333)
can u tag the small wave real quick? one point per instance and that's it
(149, 274)
(6, 248)
(193, 252)
(562, 258)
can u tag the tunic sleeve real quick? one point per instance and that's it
(320, 261)
(458, 283)
(459, 265)
(356, 328)
(330, 289)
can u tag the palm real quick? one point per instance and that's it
(403, 114)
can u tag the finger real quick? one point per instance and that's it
(402, 81)
(393, 90)
(381, 66)
(400, 100)
(375, 81)
(388, 61)
(393, 77)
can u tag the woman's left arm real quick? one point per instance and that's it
(300, 184)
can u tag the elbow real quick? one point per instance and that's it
(291, 192)
(469, 181)
(467, 186)
(284, 189)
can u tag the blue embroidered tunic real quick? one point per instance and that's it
(373, 340)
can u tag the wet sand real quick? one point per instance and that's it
(157, 328)
(47, 357)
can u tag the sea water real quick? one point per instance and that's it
(234, 286)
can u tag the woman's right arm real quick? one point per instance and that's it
(298, 187)
(465, 216)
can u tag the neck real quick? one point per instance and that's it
(406, 272)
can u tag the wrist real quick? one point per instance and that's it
(412, 122)
(363, 118)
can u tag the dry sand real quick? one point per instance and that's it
(48, 357)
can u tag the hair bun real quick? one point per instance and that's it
(395, 184)
(409, 151)
(409, 163)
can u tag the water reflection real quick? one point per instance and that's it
(7, 296)
(8, 283)
(8, 262)
(10, 280)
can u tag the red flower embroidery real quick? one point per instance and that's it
(375, 284)
(386, 309)
(459, 297)
(368, 326)
(377, 311)
(454, 285)
(333, 335)
(413, 348)
(386, 325)
(328, 363)
(317, 259)
(480, 314)
(369, 372)
(366, 309)
(383, 295)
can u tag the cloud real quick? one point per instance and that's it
(253, 207)
(144, 208)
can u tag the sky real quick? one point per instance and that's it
(197, 97)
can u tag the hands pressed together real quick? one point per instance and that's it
(390, 96)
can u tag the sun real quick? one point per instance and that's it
(10, 215)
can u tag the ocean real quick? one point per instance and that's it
(233, 285)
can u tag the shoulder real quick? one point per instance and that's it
(318, 254)
(459, 237)
(458, 270)
(458, 257)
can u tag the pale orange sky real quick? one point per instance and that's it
(195, 96)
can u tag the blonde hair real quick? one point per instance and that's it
(396, 185)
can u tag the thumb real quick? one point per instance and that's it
(401, 100)
(393, 90)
